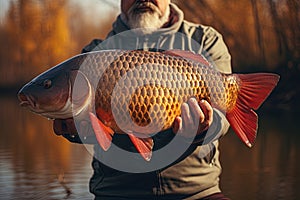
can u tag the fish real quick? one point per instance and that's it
(140, 93)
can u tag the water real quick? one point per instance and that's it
(37, 164)
(270, 169)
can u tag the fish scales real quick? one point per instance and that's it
(140, 93)
(152, 86)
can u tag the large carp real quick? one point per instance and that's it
(140, 93)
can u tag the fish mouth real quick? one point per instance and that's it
(27, 101)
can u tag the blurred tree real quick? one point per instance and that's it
(261, 35)
(258, 33)
(35, 36)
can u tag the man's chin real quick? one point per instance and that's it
(145, 21)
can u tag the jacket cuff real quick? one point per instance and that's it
(218, 128)
(80, 140)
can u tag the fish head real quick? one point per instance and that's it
(50, 93)
(47, 93)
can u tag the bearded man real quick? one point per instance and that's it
(158, 25)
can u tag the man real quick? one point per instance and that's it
(195, 175)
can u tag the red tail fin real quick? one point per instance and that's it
(254, 89)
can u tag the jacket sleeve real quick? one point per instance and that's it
(215, 49)
(79, 140)
(218, 128)
(68, 129)
(92, 46)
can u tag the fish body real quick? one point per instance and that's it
(140, 93)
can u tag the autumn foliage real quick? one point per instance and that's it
(261, 36)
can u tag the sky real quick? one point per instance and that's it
(4, 5)
(95, 8)
(100, 6)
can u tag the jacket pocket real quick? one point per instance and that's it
(207, 152)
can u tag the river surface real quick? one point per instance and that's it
(37, 164)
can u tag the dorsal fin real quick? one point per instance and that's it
(188, 55)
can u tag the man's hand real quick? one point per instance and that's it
(195, 118)
(64, 126)
(67, 128)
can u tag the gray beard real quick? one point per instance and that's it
(147, 22)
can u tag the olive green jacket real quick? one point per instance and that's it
(195, 174)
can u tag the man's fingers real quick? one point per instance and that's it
(207, 111)
(195, 118)
(196, 112)
(187, 120)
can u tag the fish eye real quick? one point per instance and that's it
(47, 83)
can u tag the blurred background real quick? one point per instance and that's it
(262, 35)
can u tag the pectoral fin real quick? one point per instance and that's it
(143, 145)
(103, 133)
